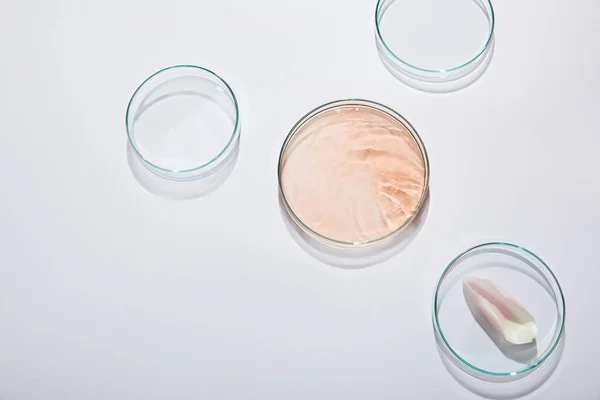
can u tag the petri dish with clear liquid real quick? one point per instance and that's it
(434, 40)
(183, 122)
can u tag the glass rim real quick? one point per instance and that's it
(492, 19)
(560, 302)
(215, 158)
(362, 102)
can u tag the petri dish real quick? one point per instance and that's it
(353, 173)
(183, 122)
(433, 40)
(469, 340)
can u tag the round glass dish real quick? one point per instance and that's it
(183, 122)
(470, 341)
(353, 173)
(433, 40)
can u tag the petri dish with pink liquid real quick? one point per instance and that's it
(353, 173)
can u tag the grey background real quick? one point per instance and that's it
(108, 292)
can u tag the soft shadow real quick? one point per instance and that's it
(175, 190)
(359, 257)
(500, 387)
(441, 86)
(521, 353)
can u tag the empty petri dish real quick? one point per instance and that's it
(183, 122)
(511, 284)
(352, 173)
(433, 40)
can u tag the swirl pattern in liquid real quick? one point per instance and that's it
(353, 173)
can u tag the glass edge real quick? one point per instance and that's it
(466, 363)
(392, 113)
(436, 71)
(210, 162)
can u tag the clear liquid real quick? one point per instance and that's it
(185, 128)
(435, 34)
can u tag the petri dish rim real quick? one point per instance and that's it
(368, 103)
(560, 302)
(211, 161)
(378, 10)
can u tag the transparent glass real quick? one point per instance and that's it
(183, 122)
(341, 106)
(433, 40)
(472, 345)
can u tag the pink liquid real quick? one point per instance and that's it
(353, 174)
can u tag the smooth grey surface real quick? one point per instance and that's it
(109, 292)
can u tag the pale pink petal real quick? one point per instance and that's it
(501, 310)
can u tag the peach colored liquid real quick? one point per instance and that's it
(353, 174)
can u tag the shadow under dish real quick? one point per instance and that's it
(177, 190)
(443, 87)
(501, 387)
(356, 257)
(353, 173)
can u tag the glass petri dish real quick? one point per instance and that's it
(183, 122)
(433, 40)
(353, 173)
(470, 342)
